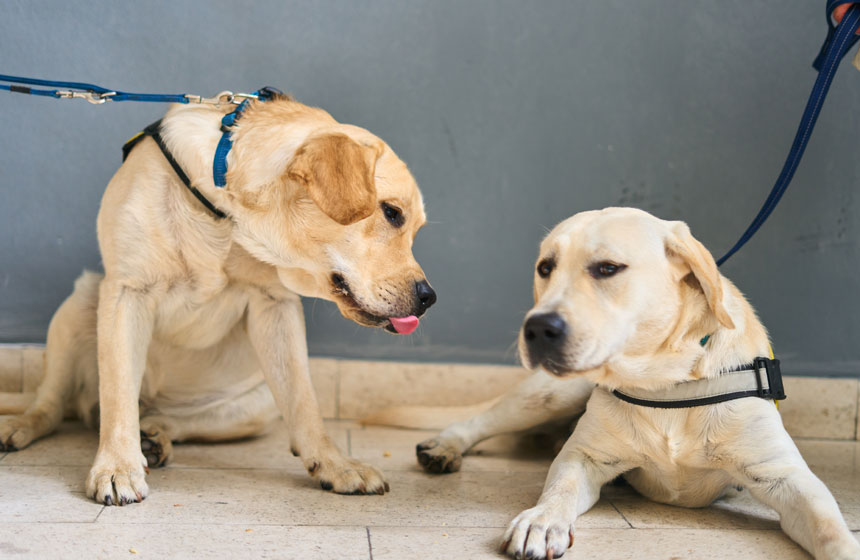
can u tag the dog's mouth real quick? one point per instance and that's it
(394, 325)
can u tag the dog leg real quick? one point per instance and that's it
(572, 487)
(775, 473)
(277, 331)
(538, 399)
(71, 347)
(125, 322)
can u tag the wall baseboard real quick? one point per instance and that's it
(348, 389)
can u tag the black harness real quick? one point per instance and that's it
(154, 132)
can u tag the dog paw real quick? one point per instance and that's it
(537, 534)
(16, 433)
(436, 456)
(116, 482)
(156, 447)
(347, 476)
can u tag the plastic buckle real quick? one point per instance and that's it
(268, 92)
(775, 390)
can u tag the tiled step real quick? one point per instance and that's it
(815, 408)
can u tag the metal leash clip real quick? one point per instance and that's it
(223, 97)
(90, 96)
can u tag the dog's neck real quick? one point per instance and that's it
(683, 356)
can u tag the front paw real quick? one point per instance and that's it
(437, 456)
(118, 481)
(347, 476)
(542, 532)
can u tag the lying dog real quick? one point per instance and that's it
(196, 329)
(637, 306)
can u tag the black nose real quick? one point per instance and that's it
(425, 294)
(545, 334)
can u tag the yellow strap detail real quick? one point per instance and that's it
(770, 350)
(133, 138)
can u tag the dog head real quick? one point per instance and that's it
(610, 283)
(333, 208)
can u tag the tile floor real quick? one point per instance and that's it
(253, 499)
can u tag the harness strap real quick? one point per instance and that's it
(154, 132)
(219, 164)
(746, 381)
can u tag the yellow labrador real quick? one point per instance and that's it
(634, 307)
(196, 329)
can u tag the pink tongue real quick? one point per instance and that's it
(404, 325)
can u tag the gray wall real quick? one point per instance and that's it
(512, 115)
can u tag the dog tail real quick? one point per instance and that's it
(15, 403)
(425, 417)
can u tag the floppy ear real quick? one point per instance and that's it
(337, 172)
(681, 243)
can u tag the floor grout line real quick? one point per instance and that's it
(612, 503)
(369, 544)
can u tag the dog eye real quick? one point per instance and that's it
(392, 214)
(545, 267)
(605, 269)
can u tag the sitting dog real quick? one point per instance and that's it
(633, 318)
(196, 330)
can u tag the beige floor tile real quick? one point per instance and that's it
(396, 543)
(73, 444)
(606, 544)
(828, 453)
(820, 408)
(857, 429)
(102, 541)
(394, 449)
(369, 386)
(32, 367)
(283, 497)
(44, 495)
(10, 369)
(685, 544)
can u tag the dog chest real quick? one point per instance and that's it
(192, 319)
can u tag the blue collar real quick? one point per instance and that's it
(219, 165)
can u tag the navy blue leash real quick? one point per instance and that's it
(91, 92)
(838, 42)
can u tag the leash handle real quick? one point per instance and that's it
(839, 41)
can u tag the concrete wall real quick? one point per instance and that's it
(512, 115)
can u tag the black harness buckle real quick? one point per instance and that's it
(775, 389)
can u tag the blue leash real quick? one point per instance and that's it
(838, 42)
(98, 95)
(92, 93)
